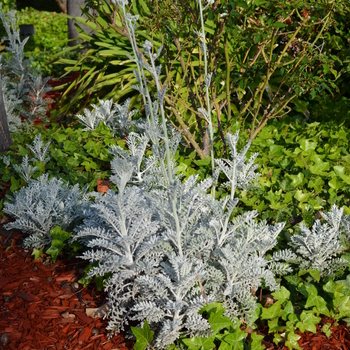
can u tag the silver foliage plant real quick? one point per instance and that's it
(319, 247)
(44, 203)
(40, 152)
(40, 206)
(116, 117)
(169, 245)
(21, 82)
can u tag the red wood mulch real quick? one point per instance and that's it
(39, 308)
(339, 339)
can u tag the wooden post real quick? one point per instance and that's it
(5, 137)
(73, 9)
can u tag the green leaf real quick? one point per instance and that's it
(335, 183)
(93, 148)
(15, 184)
(308, 145)
(271, 312)
(292, 341)
(203, 162)
(144, 336)
(315, 274)
(73, 162)
(256, 342)
(276, 151)
(260, 2)
(316, 184)
(326, 329)
(37, 253)
(308, 321)
(340, 171)
(277, 338)
(59, 236)
(69, 146)
(217, 321)
(53, 251)
(282, 295)
(89, 164)
(332, 287)
(60, 157)
(278, 25)
(297, 180)
(22, 151)
(301, 196)
(274, 325)
(59, 137)
(196, 343)
(181, 168)
(341, 304)
(288, 309)
(294, 280)
(320, 167)
(233, 340)
(325, 68)
(318, 302)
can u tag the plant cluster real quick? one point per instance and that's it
(265, 58)
(170, 247)
(23, 87)
(304, 168)
(180, 254)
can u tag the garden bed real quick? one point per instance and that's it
(39, 307)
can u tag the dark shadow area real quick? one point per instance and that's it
(41, 5)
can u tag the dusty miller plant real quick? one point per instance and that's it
(26, 84)
(116, 117)
(40, 152)
(40, 206)
(317, 248)
(169, 245)
(44, 203)
(38, 103)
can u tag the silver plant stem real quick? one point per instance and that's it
(146, 95)
(210, 125)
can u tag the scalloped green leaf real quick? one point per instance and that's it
(144, 336)
(202, 343)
